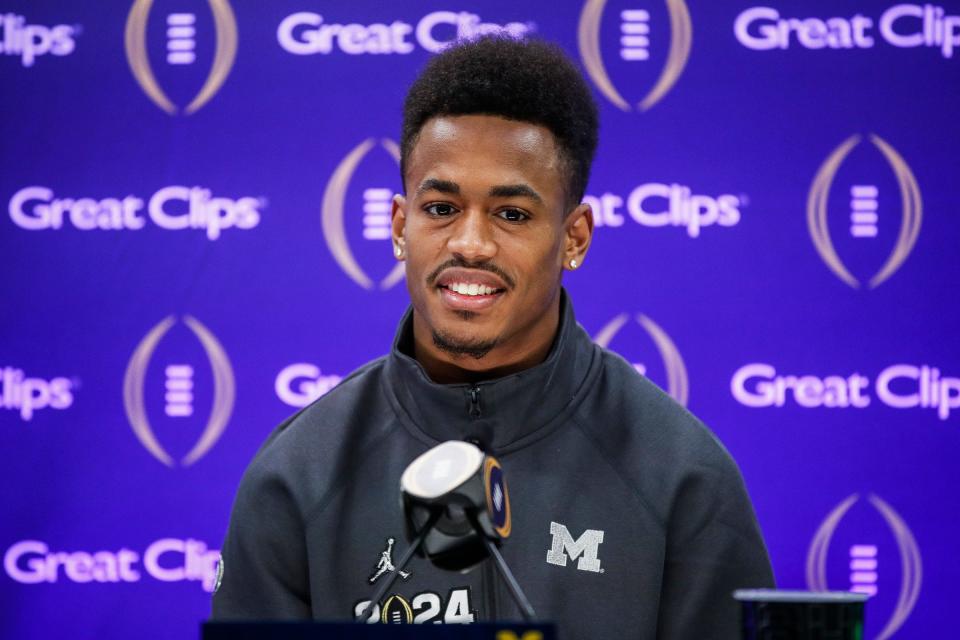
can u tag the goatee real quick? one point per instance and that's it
(474, 348)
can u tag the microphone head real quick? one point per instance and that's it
(468, 488)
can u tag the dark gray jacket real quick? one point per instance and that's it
(629, 518)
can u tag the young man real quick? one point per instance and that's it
(629, 518)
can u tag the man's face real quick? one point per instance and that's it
(485, 234)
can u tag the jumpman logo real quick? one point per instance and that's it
(386, 564)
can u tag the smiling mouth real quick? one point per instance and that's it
(466, 299)
(471, 289)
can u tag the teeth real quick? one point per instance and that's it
(465, 289)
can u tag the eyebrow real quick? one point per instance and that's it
(435, 184)
(514, 190)
(499, 191)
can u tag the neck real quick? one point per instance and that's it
(516, 354)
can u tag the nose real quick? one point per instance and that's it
(472, 237)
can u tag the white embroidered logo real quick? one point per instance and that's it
(385, 565)
(587, 546)
(216, 587)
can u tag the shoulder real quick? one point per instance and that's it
(653, 442)
(302, 454)
(327, 413)
(640, 410)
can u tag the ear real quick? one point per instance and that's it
(398, 223)
(578, 231)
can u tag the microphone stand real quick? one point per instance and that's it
(518, 596)
(501, 565)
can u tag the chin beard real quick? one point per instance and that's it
(474, 348)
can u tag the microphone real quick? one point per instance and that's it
(457, 513)
(467, 486)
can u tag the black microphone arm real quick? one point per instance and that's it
(519, 597)
(404, 559)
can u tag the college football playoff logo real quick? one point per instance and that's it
(864, 217)
(376, 217)
(864, 559)
(181, 43)
(635, 41)
(179, 391)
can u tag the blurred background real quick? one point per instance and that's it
(195, 244)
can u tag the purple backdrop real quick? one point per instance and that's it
(194, 246)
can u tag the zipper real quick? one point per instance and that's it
(488, 585)
(475, 411)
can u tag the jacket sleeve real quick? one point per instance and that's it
(714, 546)
(264, 558)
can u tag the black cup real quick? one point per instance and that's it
(769, 614)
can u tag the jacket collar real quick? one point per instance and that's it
(502, 414)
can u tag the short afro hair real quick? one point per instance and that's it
(525, 80)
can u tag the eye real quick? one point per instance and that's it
(513, 215)
(440, 209)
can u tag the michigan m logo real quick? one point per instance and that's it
(585, 547)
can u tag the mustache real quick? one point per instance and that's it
(463, 264)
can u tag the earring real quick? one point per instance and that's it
(573, 264)
(397, 250)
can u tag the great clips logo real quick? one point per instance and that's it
(658, 205)
(630, 51)
(301, 383)
(873, 216)
(359, 214)
(671, 368)
(899, 386)
(168, 384)
(173, 208)
(26, 394)
(307, 33)
(167, 560)
(865, 546)
(30, 41)
(180, 33)
(904, 26)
